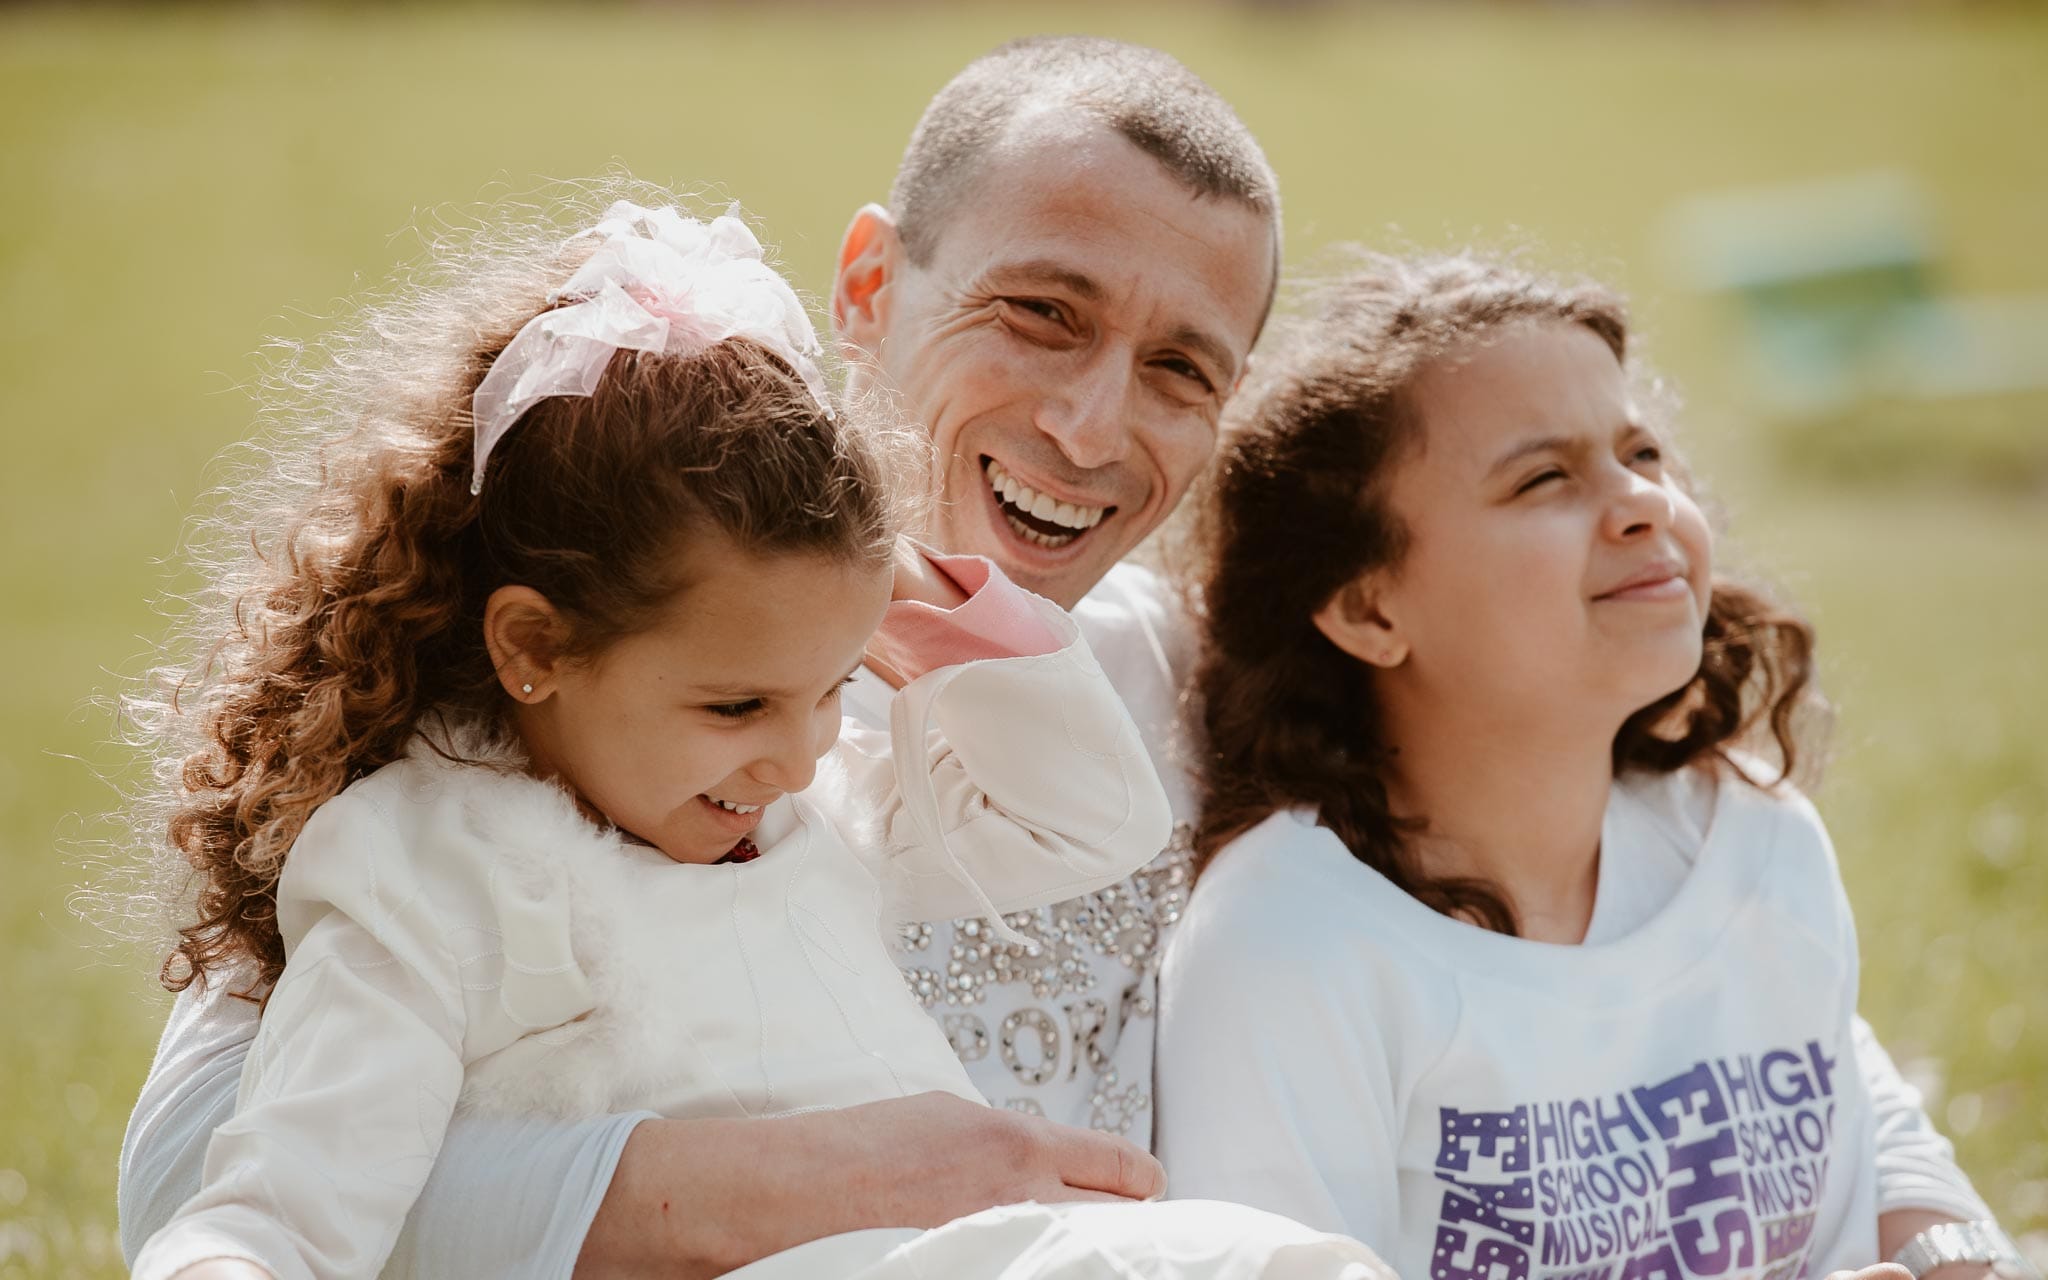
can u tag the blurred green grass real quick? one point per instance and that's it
(177, 184)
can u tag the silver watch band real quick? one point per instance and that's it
(1951, 1242)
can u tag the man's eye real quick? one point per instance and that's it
(734, 710)
(1039, 308)
(1187, 369)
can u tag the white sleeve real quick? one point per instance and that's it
(1008, 784)
(347, 1087)
(345, 1096)
(1916, 1166)
(510, 1197)
(507, 1198)
(189, 1092)
(356, 1065)
(1274, 1085)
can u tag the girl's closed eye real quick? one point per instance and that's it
(741, 710)
(1539, 479)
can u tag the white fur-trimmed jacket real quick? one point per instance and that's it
(458, 934)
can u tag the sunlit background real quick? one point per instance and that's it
(1831, 221)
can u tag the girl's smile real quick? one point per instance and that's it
(1663, 581)
(736, 818)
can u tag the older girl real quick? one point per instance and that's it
(1514, 953)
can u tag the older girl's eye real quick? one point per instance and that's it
(735, 710)
(1649, 453)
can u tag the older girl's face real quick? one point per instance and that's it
(1556, 567)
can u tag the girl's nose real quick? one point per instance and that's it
(791, 764)
(1640, 505)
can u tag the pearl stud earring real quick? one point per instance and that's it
(526, 688)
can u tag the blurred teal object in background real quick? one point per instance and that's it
(1849, 335)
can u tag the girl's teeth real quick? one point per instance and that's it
(734, 808)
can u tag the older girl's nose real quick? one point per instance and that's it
(1638, 506)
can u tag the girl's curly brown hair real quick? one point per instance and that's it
(350, 564)
(1299, 507)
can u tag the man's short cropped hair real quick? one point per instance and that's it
(1146, 96)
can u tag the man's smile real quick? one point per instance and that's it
(1036, 516)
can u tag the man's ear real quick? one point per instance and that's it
(526, 638)
(870, 258)
(1355, 620)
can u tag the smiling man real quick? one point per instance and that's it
(1080, 250)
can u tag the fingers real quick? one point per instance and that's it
(1077, 1195)
(1091, 1161)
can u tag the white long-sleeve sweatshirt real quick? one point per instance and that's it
(1685, 1094)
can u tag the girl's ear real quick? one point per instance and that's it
(526, 638)
(1355, 622)
(870, 257)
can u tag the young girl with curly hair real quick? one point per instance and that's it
(1514, 951)
(514, 778)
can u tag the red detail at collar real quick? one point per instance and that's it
(744, 851)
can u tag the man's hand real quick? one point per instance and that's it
(698, 1198)
(1895, 1230)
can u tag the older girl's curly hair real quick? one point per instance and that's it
(350, 565)
(1299, 507)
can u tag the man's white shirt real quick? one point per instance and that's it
(1064, 1028)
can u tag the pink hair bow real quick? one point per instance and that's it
(660, 283)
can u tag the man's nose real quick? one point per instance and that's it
(1088, 416)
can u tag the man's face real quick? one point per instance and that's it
(1069, 346)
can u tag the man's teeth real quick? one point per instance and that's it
(733, 808)
(1015, 493)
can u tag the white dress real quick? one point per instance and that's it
(1677, 1099)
